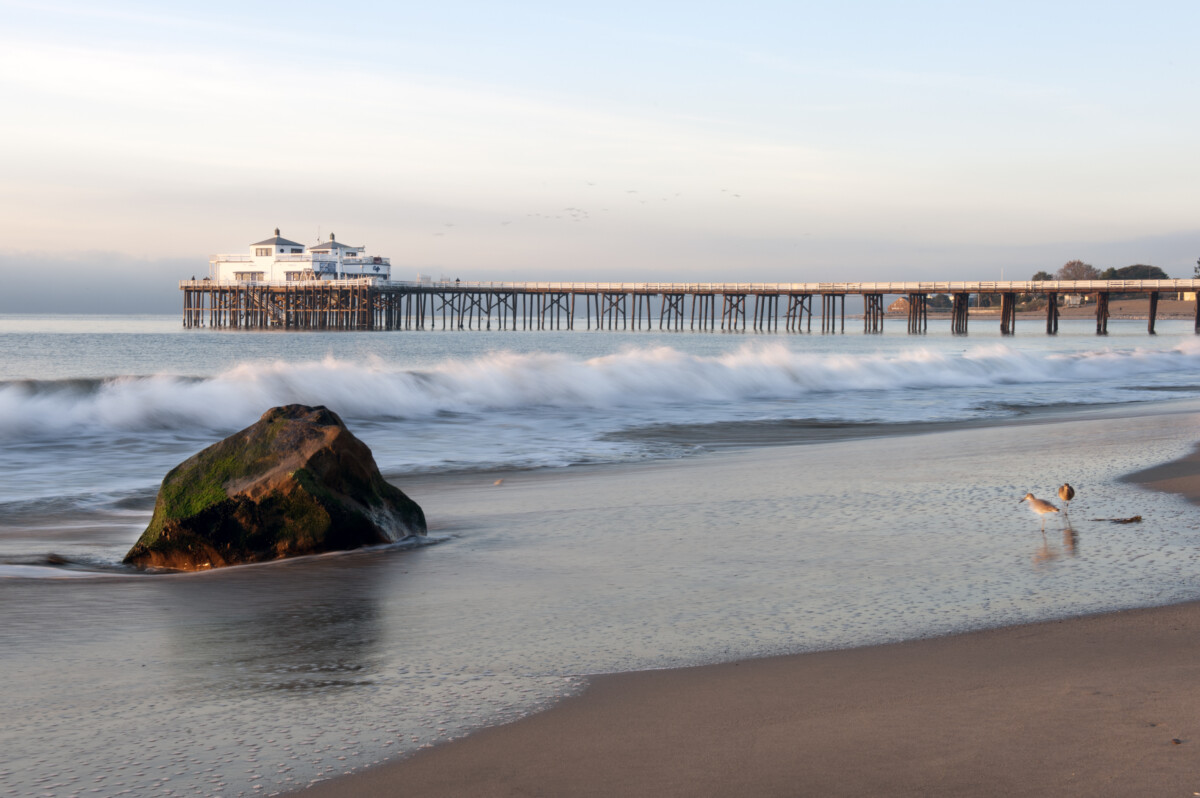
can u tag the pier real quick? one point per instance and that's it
(374, 304)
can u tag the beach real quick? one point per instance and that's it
(608, 514)
(1099, 705)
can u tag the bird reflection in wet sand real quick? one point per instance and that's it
(1070, 540)
(1046, 553)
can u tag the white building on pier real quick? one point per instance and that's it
(279, 260)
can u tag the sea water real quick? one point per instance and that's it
(623, 534)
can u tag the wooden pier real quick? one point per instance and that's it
(371, 304)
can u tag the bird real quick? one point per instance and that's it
(1040, 507)
(1066, 493)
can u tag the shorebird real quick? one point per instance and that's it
(1066, 493)
(1040, 507)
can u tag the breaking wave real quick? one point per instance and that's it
(638, 378)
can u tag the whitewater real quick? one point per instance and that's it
(657, 382)
(604, 501)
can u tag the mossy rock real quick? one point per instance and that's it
(294, 482)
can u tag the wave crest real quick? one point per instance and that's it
(504, 381)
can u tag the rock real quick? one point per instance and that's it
(294, 482)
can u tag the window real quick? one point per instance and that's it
(297, 250)
(262, 252)
(244, 277)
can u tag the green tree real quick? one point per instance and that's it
(1138, 271)
(1045, 276)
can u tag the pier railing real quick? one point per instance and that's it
(899, 288)
(372, 303)
(354, 282)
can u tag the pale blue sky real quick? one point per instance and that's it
(622, 141)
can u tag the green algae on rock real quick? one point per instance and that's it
(294, 482)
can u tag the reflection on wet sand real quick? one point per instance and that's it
(1047, 553)
(1070, 539)
(312, 626)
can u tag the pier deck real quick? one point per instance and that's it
(371, 304)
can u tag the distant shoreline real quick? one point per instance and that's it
(1129, 309)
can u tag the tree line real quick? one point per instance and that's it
(1078, 270)
(1071, 270)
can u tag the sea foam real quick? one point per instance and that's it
(644, 378)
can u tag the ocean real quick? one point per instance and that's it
(598, 501)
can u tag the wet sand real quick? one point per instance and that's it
(1103, 705)
(1181, 477)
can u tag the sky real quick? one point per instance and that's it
(750, 141)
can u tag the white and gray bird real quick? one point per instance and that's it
(1042, 508)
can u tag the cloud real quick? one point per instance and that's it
(146, 135)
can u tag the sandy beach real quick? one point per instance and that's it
(1096, 706)
(1101, 705)
(823, 494)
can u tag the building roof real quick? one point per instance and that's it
(276, 241)
(330, 245)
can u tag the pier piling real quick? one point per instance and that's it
(918, 314)
(873, 314)
(1051, 313)
(960, 311)
(1008, 313)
